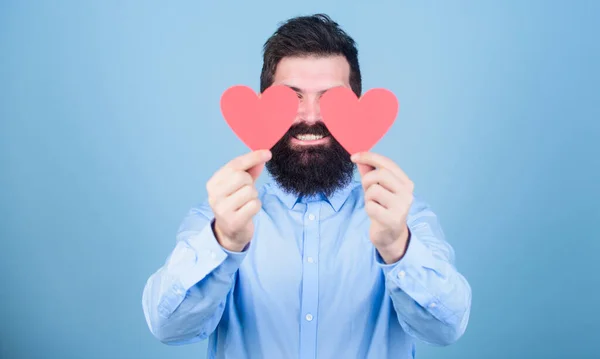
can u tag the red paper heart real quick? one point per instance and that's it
(358, 124)
(259, 121)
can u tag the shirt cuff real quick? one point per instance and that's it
(410, 273)
(212, 256)
(417, 254)
(193, 259)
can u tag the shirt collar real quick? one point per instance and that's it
(335, 200)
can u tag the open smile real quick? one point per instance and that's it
(307, 140)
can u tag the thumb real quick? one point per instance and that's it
(364, 169)
(256, 170)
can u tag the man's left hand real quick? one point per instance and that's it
(388, 197)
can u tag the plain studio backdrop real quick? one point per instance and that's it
(111, 126)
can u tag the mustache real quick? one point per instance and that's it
(303, 128)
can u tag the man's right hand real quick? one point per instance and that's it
(234, 199)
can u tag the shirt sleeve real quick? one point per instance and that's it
(431, 298)
(184, 300)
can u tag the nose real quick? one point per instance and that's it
(309, 110)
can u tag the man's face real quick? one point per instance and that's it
(308, 160)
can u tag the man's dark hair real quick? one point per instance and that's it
(315, 35)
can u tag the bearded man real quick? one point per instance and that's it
(313, 264)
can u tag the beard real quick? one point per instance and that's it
(310, 169)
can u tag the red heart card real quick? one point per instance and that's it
(259, 121)
(358, 124)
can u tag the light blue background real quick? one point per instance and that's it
(110, 127)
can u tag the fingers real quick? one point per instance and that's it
(234, 198)
(238, 208)
(379, 213)
(239, 198)
(375, 160)
(384, 178)
(230, 184)
(364, 169)
(249, 210)
(255, 171)
(385, 189)
(226, 179)
(252, 162)
(235, 222)
(380, 195)
(249, 160)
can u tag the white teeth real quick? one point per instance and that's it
(309, 137)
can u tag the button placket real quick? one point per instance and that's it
(310, 281)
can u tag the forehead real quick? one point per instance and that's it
(312, 73)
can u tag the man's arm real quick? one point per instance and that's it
(431, 298)
(184, 300)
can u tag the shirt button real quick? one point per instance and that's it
(310, 259)
(311, 217)
(401, 274)
(309, 317)
(213, 254)
(432, 305)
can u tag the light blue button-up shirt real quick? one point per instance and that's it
(310, 284)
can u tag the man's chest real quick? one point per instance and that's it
(317, 265)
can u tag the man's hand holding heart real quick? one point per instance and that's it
(388, 198)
